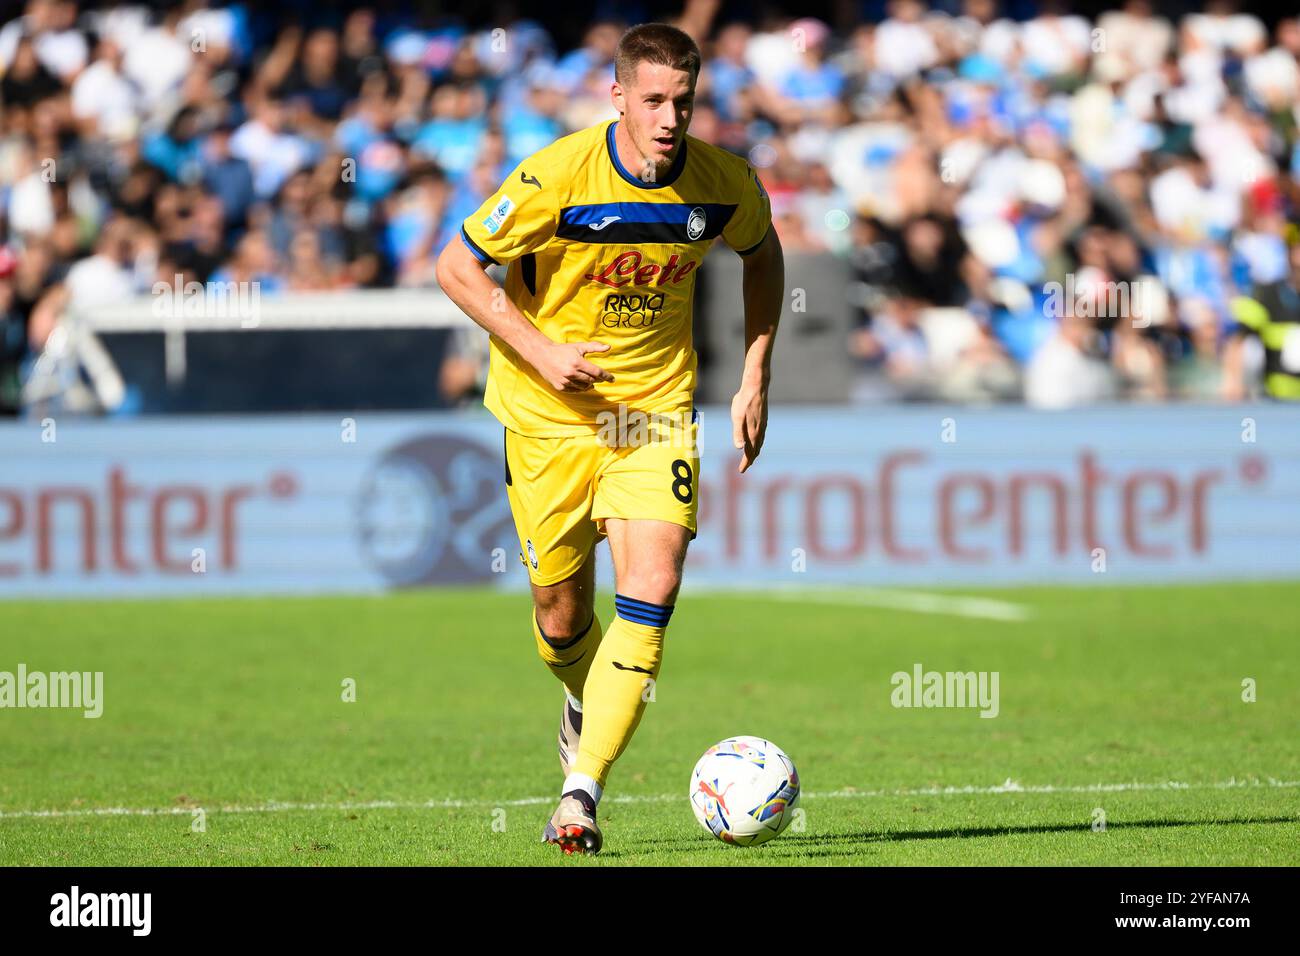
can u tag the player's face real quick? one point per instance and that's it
(656, 111)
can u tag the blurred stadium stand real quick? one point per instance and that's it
(936, 170)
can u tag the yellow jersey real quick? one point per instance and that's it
(597, 254)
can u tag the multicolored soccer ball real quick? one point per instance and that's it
(744, 790)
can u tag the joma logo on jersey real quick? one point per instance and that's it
(628, 269)
(631, 311)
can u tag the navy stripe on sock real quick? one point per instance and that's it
(564, 645)
(654, 612)
(642, 612)
(637, 601)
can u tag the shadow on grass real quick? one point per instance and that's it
(827, 844)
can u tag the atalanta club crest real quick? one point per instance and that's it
(695, 223)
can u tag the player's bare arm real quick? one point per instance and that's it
(763, 287)
(562, 364)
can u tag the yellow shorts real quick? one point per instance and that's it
(561, 490)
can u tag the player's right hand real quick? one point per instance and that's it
(564, 366)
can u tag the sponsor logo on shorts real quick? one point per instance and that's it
(532, 553)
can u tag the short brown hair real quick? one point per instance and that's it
(656, 43)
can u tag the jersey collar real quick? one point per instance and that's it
(673, 172)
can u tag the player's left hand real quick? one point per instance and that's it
(749, 422)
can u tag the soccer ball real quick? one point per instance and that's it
(744, 790)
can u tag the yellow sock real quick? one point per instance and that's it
(620, 684)
(569, 658)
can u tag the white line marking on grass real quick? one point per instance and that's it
(923, 602)
(1010, 786)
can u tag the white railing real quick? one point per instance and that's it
(75, 371)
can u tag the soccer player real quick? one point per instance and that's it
(593, 373)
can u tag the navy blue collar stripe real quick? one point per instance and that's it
(678, 164)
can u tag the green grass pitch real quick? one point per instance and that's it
(1122, 701)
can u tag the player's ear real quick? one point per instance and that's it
(618, 98)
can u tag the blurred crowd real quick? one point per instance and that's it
(965, 166)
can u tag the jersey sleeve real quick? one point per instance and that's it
(519, 218)
(748, 226)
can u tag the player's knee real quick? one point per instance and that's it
(655, 585)
(561, 619)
